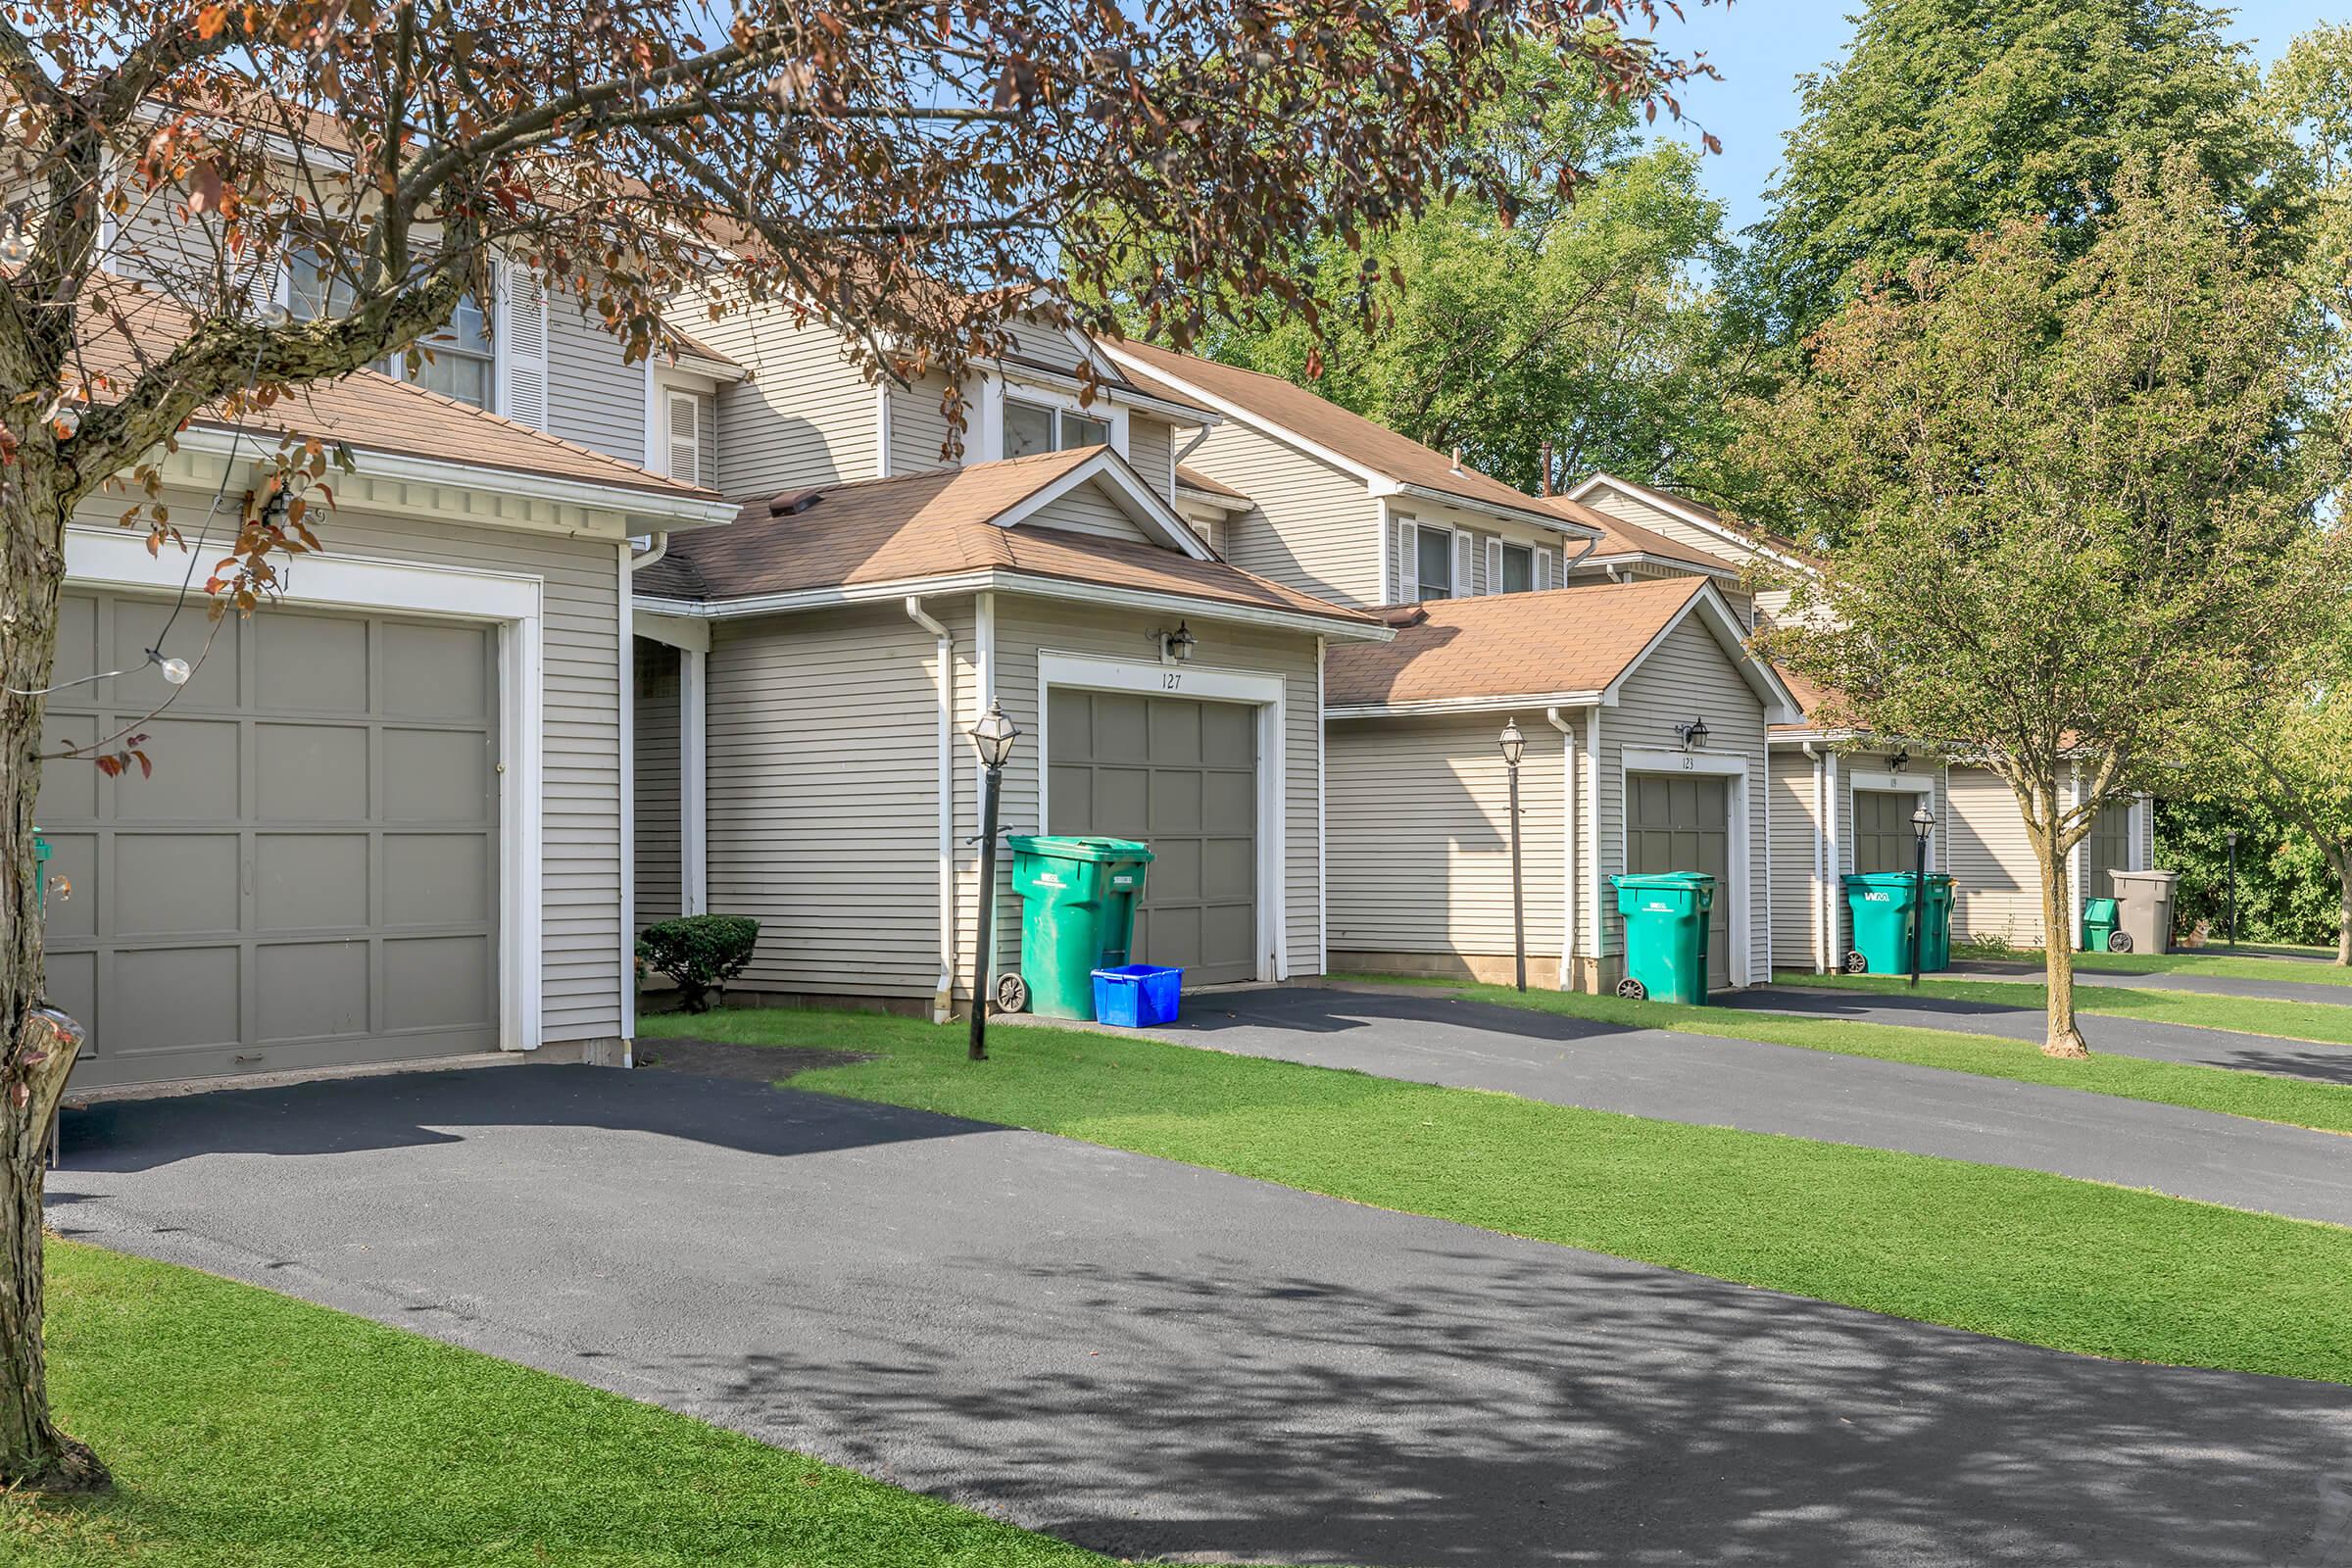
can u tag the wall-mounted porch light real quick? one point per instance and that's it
(1693, 734)
(1176, 647)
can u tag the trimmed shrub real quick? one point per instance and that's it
(702, 953)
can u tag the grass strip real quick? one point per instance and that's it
(247, 1430)
(2320, 1024)
(2230, 1091)
(2240, 965)
(2044, 1259)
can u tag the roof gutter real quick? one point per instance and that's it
(1418, 706)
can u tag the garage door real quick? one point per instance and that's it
(1884, 837)
(2108, 850)
(1676, 822)
(1182, 776)
(310, 875)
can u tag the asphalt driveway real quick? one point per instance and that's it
(1158, 1361)
(1427, 1036)
(2123, 1036)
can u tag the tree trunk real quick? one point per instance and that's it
(37, 1045)
(2058, 949)
(2339, 861)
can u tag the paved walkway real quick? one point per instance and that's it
(1158, 1361)
(2123, 1036)
(2213, 985)
(1428, 1037)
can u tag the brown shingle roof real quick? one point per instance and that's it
(941, 523)
(1621, 538)
(1509, 645)
(128, 328)
(1328, 425)
(1195, 479)
(1665, 501)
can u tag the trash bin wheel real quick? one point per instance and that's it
(2119, 941)
(1855, 964)
(1012, 993)
(1633, 990)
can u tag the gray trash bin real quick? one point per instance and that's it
(2144, 901)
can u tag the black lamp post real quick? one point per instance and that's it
(2231, 838)
(1514, 746)
(1923, 823)
(992, 739)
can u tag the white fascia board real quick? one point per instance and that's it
(1685, 568)
(1673, 508)
(673, 513)
(1532, 517)
(1124, 394)
(997, 580)
(1464, 705)
(1780, 704)
(1138, 500)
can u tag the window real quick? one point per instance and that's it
(1518, 571)
(1432, 557)
(462, 358)
(1031, 427)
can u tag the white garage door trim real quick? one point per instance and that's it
(1642, 760)
(1266, 691)
(516, 603)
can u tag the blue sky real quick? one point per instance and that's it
(1762, 46)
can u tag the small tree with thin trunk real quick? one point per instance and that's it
(2066, 510)
(916, 175)
(2295, 757)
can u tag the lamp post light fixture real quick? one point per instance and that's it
(992, 739)
(1693, 734)
(2231, 838)
(1923, 824)
(1514, 746)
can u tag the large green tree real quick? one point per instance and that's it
(1948, 117)
(1530, 322)
(2071, 497)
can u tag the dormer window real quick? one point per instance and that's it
(463, 361)
(1032, 427)
(1518, 575)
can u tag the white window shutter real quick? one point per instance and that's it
(684, 424)
(522, 346)
(1463, 545)
(1544, 560)
(1408, 560)
(1494, 565)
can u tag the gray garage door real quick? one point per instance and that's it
(1679, 822)
(1182, 776)
(309, 876)
(2107, 851)
(1884, 837)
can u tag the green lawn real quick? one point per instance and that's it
(2040, 1258)
(2325, 1023)
(2246, 963)
(247, 1430)
(2233, 1092)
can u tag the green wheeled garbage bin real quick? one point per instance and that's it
(1936, 942)
(1665, 934)
(1078, 898)
(2099, 919)
(40, 871)
(1881, 907)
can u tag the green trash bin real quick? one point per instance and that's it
(1078, 897)
(1665, 934)
(2100, 920)
(1935, 947)
(40, 871)
(1881, 907)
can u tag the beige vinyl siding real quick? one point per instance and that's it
(706, 403)
(657, 865)
(822, 803)
(594, 395)
(808, 416)
(1312, 527)
(1796, 881)
(1152, 447)
(1420, 836)
(1686, 676)
(1628, 508)
(1996, 890)
(1026, 626)
(1053, 347)
(580, 767)
(1089, 510)
(918, 426)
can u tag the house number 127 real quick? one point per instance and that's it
(1170, 681)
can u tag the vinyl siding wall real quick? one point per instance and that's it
(593, 396)
(1796, 876)
(1312, 528)
(1152, 447)
(1628, 509)
(1997, 889)
(1420, 837)
(808, 416)
(580, 769)
(657, 864)
(1088, 509)
(918, 426)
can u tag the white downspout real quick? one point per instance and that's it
(1592, 854)
(661, 548)
(1832, 888)
(943, 1004)
(1568, 842)
(1821, 796)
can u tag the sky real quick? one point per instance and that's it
(1762, 46)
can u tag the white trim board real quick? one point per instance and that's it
(1893, 783)
(511, 600)
(1267, 693)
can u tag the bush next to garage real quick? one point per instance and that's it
(2286, 892)
(700, 954)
